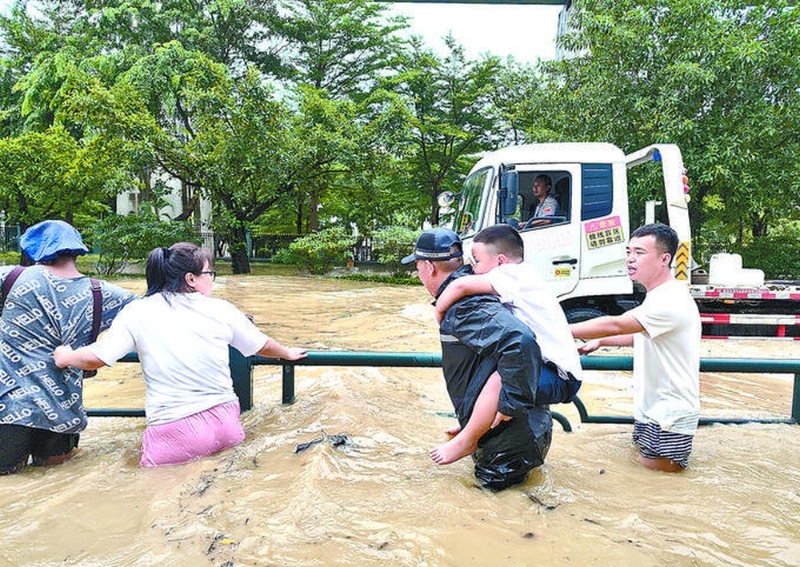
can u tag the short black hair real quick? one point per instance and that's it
(666, 237)
(504, 238)
(545, 178)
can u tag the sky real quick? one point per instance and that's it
(525, 31)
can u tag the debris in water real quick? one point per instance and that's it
(540, 503)
(334, 440)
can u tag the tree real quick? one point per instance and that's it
(108, 43)
(232, 141)
(515, 86)
(448, 110)
(51, 175)
(232, 32)
(56, 162)
(337, 50)
(341, 47)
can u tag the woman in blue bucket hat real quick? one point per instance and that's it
(46, 305)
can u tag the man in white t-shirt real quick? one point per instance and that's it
(665, 333)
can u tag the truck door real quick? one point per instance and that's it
(553, 242)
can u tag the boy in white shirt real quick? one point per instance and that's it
(498, 253)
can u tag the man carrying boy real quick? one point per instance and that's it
(479, 338)
(498, 254)
(665, 332)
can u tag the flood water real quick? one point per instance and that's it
(378, 499)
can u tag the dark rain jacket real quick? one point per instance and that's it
(479, 335)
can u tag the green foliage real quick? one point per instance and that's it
(777, 255)
(9, 258)
(291, 115)
(52, 175)
(341, 47)
(392, 243)
(717, 77)
(396, 279)
(448, 110)
(131, 238)
(317, 253)
(259, 106)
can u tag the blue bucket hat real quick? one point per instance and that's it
(48, 239)
(435, 244)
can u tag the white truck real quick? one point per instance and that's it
(581, 252)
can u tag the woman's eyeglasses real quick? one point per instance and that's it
(212, 273)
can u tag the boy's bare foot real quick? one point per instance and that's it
(457, 448)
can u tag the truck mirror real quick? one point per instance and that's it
(446, 199)
(508, 195)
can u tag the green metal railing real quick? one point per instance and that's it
(242, 373)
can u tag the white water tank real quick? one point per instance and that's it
(726, 270)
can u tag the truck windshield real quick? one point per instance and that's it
(467, 221)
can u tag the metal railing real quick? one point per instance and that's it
(242, 373)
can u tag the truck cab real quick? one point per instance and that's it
(580, 251)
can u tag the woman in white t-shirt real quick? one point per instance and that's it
(181, 335)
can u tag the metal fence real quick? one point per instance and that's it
(259, 246)
(9, 237)
(242, 373)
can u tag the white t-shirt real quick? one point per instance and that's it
(182, 340)
(666, 359)
(522, 289)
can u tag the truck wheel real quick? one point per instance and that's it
(578, 314)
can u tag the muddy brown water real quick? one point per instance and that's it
(379, 499)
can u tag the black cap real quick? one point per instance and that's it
(435, 244)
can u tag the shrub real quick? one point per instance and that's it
(126, 239)
(403, 279)
(392, 244)
(318, 252)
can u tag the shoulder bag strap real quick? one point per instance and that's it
(97, 314)
(8, 283)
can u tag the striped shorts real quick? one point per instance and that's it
(654, 443)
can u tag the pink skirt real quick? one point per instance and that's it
(197, 435)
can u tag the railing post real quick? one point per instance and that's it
(242, 375)
(288, 383)
(796, 399)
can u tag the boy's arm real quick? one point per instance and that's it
(462, 287)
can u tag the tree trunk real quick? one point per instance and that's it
(759, 226)
(299, 217)
(313, 212)
(240, 262)
(435, 205)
